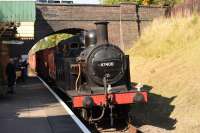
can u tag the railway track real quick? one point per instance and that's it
(129, 129)
(121, 127)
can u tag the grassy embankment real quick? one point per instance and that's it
(167, 57)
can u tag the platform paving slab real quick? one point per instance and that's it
(33, 109)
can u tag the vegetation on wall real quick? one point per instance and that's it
(143, 2)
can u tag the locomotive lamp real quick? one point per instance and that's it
(139, 86)
(138, 96)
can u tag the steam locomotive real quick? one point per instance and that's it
(94, 74)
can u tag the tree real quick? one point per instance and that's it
(49, 41)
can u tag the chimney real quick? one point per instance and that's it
(102, 32)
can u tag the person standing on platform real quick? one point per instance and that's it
(24, 70)
(11, 75)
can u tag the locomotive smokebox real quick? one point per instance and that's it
(102, 32)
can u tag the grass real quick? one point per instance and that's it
(167, 57)
(168, 35)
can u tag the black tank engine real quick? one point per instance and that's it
(94, 73)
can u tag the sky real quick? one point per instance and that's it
(87, 1)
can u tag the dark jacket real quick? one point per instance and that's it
(11, 73)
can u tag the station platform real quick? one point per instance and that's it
(33, 109)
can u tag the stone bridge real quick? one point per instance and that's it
(126, 21)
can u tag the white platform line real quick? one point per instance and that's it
(67, 109)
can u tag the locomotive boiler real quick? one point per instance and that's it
(94, 74)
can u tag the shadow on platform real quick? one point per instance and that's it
(50, 124)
